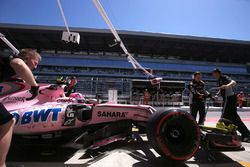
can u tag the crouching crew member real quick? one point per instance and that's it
(21, 66)
(229, 110)
(197, 97)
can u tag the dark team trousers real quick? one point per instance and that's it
(5, 116)
(199, 106)
(230, 112)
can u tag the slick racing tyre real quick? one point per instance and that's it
(174, 134)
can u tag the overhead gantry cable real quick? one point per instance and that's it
(68, 36)
(63, 15)
(118, 40)
(7, 42)
(75, 37)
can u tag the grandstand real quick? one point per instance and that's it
(100, 67)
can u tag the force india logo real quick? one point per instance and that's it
(112, 114)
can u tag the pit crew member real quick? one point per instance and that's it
(21, 66)
(197, 96)
(229, 110)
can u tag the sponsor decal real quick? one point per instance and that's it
(70, 116)
(36, 115)
(13, 99)
(112, 114)
(64, 100)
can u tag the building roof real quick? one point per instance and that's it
(141, 43)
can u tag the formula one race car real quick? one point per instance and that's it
(51, 117)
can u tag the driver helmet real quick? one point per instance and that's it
(61, 80)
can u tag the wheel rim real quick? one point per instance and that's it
(180, 136)
(174, 135)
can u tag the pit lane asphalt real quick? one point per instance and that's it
(136, 154)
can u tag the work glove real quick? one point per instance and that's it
(34, 92)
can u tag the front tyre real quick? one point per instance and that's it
(174, 134)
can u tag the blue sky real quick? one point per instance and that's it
(229, 19)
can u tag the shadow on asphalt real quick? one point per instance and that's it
(140, 151)
(40, 154)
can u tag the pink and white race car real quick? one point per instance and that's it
(53, 118)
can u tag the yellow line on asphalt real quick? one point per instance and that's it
(245, 164)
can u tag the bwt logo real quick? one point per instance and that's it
(36, 115)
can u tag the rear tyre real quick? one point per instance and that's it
(174, 134)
